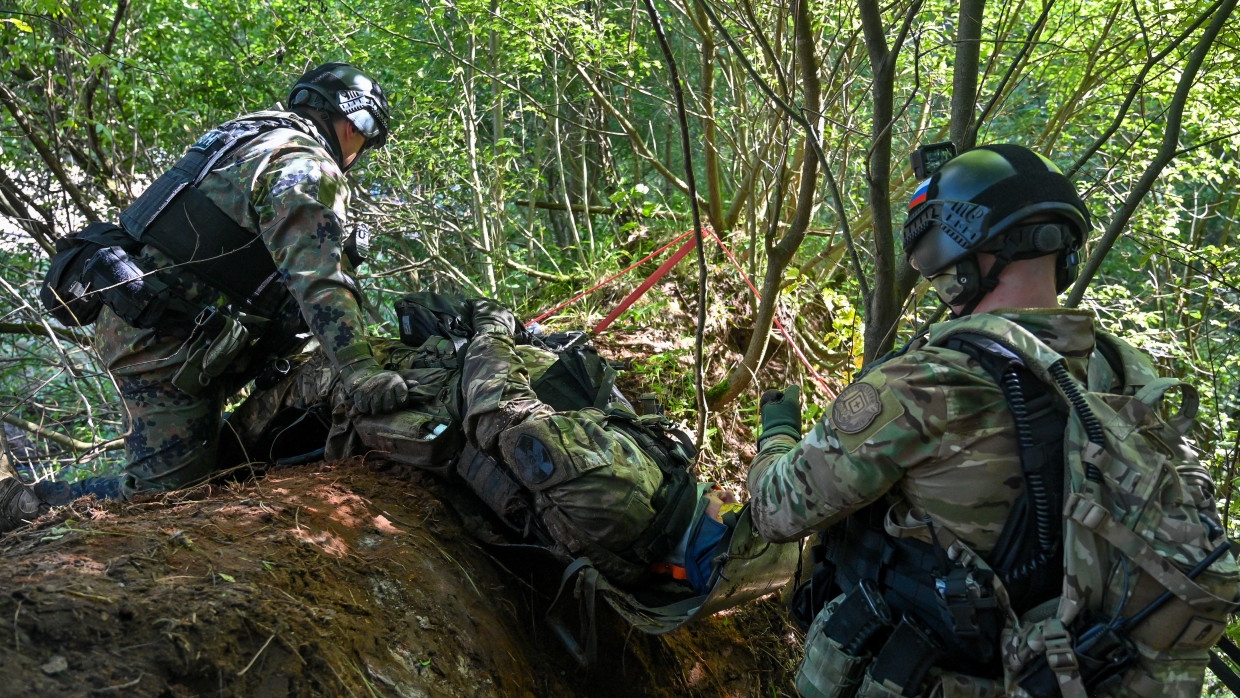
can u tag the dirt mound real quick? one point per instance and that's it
(326, 580)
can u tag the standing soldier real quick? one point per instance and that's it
(243, 248)
(945, 530)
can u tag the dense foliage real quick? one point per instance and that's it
(536, 149)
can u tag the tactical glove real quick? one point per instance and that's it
(372, 389)
(490, 317)
(781, 413)
(18, 504)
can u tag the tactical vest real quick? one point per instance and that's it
(95, 268)
(1147, 577)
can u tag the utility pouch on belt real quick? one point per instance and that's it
(188, 378)
(215, 341)
(225, 347)
(840, 643)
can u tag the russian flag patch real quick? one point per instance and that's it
(919, 196)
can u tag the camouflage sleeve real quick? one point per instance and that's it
(495, 390)
(891, 420)
(302, 198)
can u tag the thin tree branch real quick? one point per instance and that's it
(1015, 65)
(60, 439)
(1166, 153)
(1137, 84)
(687, 151)
(49, 158)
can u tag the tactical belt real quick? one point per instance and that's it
(954, 603)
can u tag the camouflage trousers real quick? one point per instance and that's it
(171, 438)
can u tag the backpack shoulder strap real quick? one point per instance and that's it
(1028, 553)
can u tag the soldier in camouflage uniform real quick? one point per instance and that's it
(585, 476)
(287, 187)
(926, 435)
(596, 487)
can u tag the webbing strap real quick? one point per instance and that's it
(1061, 658)
(585, 648)
(1221, 669)
(1097, 519)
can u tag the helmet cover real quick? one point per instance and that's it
(343, 90)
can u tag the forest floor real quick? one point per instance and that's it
(327, 579)
(342, 579)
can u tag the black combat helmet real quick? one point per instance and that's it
(339, 89)
(980, 201)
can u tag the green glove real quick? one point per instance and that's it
(490, 317)
(372, 389)
(781, 413)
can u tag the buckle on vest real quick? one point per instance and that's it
(1060, 656)
(1086, 512)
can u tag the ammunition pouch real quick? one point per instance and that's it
(902, 665)
(841, 642)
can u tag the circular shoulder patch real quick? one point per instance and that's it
(856, 408)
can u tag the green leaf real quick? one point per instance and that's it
(226, 577)
(21, 26)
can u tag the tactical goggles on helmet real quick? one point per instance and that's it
(949, 229)
(366, 114)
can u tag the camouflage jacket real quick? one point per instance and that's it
(285, 187)
(930, 426)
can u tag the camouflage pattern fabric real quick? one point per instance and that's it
(285, 187)
(592, 483)
(930, 429)
(930, 425)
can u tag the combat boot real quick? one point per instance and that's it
(18, 504)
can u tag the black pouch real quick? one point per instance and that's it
(65, 293)
(137, 296)
(428, 314)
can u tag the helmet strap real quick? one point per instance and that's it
(1003, 257)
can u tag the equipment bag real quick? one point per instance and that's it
(1149, 578)
(429, 314)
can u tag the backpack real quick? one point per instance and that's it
(427, 314)
(1149, 577)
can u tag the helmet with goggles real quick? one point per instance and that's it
(340, 90)
(1005, 200)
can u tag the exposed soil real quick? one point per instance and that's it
(327, 580)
